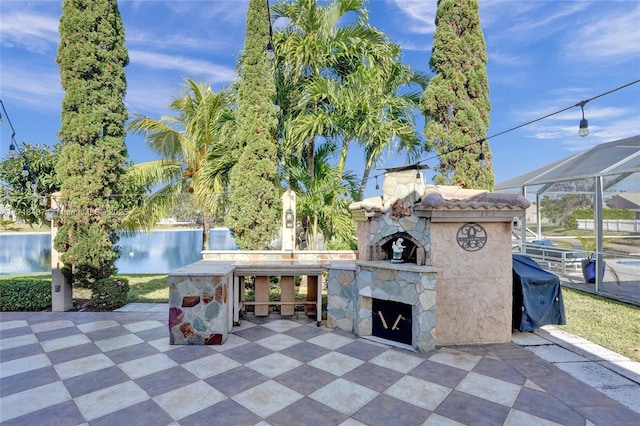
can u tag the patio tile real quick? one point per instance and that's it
(336, 363)
(73, 352)
(147, 365)
(225, 413)
(255, 333)
(305, 379)
(344, 396)
(331, 341)
(144, 325)
(519, 418)
(488, 388)
(467, 409)
(455, 358)
(499, 370)
(28, 379)
(236, 380)
(555, 354)
(418, 392)
(306, 332)
(529, 401)
(118, 342)
(17, 341)
(362, 350)
(247, 352)
(306, 411)
(20, 352)
(278, 342)
(97, 325)
(94, 381)
(438, 373)
(385, 410)
(165, 381)
(304, 351)
(108, 400)
(34, 399)
(20, 365)
(189, 399)
(273, 365)
(373, 376)
(267, 398)
(402, 362)
(80, 366)
(51, 325)
(281, 326)
(62, 414)
(143, 413)
(133, 352)
(64, 342)
(210, 365)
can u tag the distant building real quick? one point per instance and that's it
(6, 212)
(626, 201)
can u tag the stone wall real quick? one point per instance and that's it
(351, 293)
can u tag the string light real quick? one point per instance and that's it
(580, 104)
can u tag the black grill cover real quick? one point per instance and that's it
(537, 296)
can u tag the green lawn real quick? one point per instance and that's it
(608, 323)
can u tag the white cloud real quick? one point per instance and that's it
(37, 87)
(188, 66)
(34, 32)
(421, 12)
(613, 37)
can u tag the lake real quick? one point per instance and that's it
(158, 252)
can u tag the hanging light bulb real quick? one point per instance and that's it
(584, 124)
(377, 186)
(271, 55)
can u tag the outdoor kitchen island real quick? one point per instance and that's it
(433, 267)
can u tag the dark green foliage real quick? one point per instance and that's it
(570, 222)
(23, 294)
(91, 165)
(254, 202)
(456, 103)
(28, 202)
(109, 293)
(607, 214)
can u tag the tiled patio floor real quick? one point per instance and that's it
(118, 368)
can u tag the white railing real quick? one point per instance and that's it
(612, 225)
(555, 258)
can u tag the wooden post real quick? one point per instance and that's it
(287, 294)
(312, 293)
(262, 295)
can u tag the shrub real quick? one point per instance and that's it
(570, 222)
(26, 294)
(109, 293)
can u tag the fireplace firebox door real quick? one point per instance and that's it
(391, 321)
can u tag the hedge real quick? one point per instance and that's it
(25, 294)
(109, 293)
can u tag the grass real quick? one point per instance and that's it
(148, 288)
(608, 323)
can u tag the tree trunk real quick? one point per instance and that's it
(206, 229)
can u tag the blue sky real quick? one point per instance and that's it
(544, 56)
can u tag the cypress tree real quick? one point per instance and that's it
(254, 203)
(456, 103)
(91, 59)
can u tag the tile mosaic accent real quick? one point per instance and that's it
(198, 309)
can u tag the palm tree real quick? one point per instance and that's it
(328, 41)
(344, 82)
(322, 200)
(184, 143)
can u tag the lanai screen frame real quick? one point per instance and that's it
(606, 164)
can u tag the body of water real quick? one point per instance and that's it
(157, 252)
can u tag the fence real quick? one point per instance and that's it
(612, 225)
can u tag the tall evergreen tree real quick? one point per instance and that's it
(91, 165)
(456, 103)
(254, 202)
